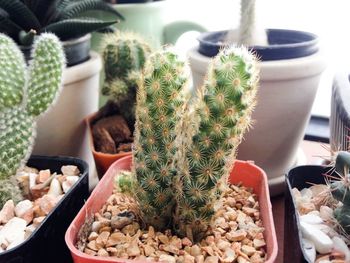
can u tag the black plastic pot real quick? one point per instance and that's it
(283, 44)
(47, 243)
(340, 112)
(77, 50)
(299, 177)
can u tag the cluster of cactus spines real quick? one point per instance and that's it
(160, 101)
(185, 148)
(340, 190)
(33, 91)
(226, 100)
(124, 55)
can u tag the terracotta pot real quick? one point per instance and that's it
(246, 172)
(102, 160)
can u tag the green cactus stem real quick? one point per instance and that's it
(341, 190)
(124, 55)
(226, 102)
(160, 101)
(23, 98)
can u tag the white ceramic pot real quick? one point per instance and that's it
(62, 130)
(286, 94)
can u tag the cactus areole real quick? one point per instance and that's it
(25, 93)
(185, 145)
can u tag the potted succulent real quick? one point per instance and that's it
(291, 65)
(124, 55)
(27, 198)
(316, 212)
(24, 20)
(71, 21)
(184, 151)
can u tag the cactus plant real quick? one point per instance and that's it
(341, 190)
(24, 95)
(185, 147)
(124, 55)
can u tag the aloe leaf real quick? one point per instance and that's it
(73, 28)
(77, 8)
(20, 14)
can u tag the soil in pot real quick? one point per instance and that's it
(41, 191)
(110, 131)
(237, 233)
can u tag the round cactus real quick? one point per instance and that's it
(124, 55)
(23, 96)
(341, 190)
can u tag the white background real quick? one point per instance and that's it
(329, 19)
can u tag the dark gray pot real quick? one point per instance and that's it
(76, 50)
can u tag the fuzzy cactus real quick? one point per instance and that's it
(224, 108)
(124, 55)
(24, 95)
(160, 102)
(185, 147)
(341, 190)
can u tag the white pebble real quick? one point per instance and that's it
(16, 242)
(309, 249)
(55, 188)
(69, 182)
(323, 243)
(340, 246)
(326, 213)
(306, 193)
(14, 229)
(311, 219)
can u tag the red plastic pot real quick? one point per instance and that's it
(246, 172)
(102, 160)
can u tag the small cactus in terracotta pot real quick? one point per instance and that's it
(185, 146)
(25, 94)
(124, 55)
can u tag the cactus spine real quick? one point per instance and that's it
(124, 55)
(341, 190)
(24, 95)
(185, 148)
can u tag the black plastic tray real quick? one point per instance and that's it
(47, 243)
(299, 177)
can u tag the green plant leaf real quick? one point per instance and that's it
(73, 28)
(62, 4)
(77, 8)
(7, 26)
(20, 14)
(44, 9)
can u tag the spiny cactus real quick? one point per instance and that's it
(225, 104)
(185, 148)
(341, 190)
(24, 95)
(160, 101)
(124, 55)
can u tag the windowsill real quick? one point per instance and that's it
(318, 130)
